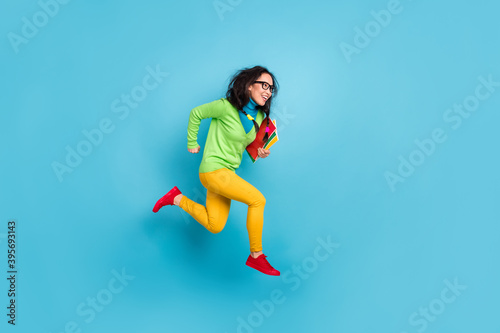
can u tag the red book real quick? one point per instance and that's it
(253, 148)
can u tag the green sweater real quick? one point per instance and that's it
(226, 139)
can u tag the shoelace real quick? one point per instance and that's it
(265, 262)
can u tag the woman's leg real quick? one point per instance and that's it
(213, 216)
(223, 186)
(228, 184)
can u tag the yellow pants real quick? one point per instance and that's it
(224, 185)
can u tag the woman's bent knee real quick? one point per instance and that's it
(216, 229)
(259, 201)
(215, 226)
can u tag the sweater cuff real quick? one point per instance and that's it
(193, 145)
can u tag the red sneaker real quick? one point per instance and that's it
(167, 199)
(260, 263)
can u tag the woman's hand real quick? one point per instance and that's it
(263, 153)
(194, 150)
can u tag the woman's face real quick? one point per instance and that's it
(257, 91)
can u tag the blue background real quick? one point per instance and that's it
(344, 122)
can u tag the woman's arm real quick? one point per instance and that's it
(213, 109)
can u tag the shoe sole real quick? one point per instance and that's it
(259, 269)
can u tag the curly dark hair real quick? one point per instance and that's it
(237, 91)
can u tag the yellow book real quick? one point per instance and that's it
(273, 138)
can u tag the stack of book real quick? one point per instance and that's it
(253, 148)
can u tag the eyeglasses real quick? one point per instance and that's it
(266, 86)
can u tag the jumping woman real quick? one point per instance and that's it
(234, 125)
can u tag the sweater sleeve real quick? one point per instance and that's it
(213, 109)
